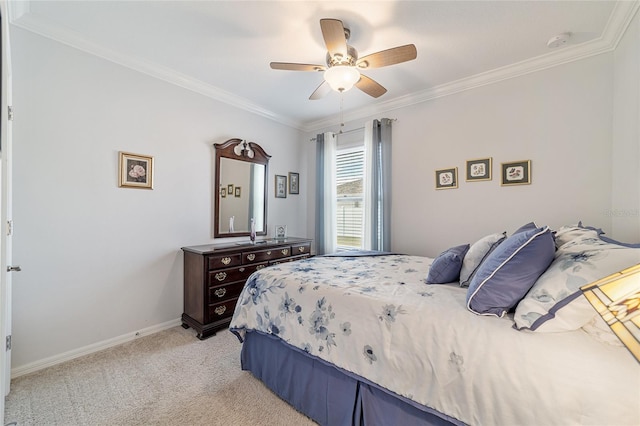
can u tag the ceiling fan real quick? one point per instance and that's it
(343, 67)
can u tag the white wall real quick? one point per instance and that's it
(625, 206)
(100, 261)
(559, 118)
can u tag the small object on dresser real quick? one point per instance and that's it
(252, 235)
(281, 232)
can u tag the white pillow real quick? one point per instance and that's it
(555, 302)
(476, 254)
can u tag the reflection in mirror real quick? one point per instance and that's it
(246, 199)
(241, 190)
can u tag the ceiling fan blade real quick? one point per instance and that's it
(334, 38)
(370, 86)
(296, 67)
(391, 56)
(321, 91)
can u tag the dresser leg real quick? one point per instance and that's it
(185, 325)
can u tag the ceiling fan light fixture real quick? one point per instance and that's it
(341, 77)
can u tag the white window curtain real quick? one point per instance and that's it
(326, 226)
(377, 185)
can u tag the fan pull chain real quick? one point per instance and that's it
(341, 110)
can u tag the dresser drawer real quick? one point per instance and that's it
(225, 276)
(224, 292)
(265, 255)
(218, 311)
(299, 249)
(224, 261)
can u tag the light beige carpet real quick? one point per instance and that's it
(168, 378)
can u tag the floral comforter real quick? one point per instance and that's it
(377, 318)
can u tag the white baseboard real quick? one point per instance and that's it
(95, 347)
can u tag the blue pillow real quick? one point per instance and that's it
(526, 227)
(446, 267)
(508, 273)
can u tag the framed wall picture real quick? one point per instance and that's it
(281, 186)
(280, 232)
(516, 173)
(230, 189)
(479, 169)
(135, 171)
(237, 191)
(223, 192)
(294, 183)
(447, 178)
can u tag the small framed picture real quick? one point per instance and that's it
(281, 232)
(294, 183)
(230, 189)
(479, 169)
(516, 173)
(281, 186)
(135, 171)
(223, 192)
(237, 191)
(447, 178)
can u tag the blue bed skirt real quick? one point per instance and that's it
(328, 395)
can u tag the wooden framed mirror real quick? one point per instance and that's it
(241, 188)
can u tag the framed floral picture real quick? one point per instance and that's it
(237, 191)
(135, 171)
(447, 178)
(516, 173)
(479, 169)
(281, 186)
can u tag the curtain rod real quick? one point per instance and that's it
(352, 130)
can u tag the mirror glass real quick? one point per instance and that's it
(241, 190)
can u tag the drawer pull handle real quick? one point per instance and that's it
(220, 292)
(226, 260)
(220, 310)
(285, 252)
(221, 276)
(241, 269)
(301, 249)
(251, 256)
(269, 253)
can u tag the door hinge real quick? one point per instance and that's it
(9, 228)
(10, 112)
(8, 343)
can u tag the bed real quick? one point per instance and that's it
(382, 339)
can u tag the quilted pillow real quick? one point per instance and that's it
(555, 303)
(446, 267)
(476, 254)
(508, 273)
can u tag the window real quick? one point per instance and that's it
(350, 201)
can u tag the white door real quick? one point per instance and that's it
(5, 214)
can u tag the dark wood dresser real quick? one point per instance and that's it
(214, 275)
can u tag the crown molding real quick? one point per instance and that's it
(37, 25)
(621, 16)
(617, 24)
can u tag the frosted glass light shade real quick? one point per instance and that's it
(341, 77)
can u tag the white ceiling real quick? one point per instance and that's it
(223, 48)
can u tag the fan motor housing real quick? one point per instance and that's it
(349, 60)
